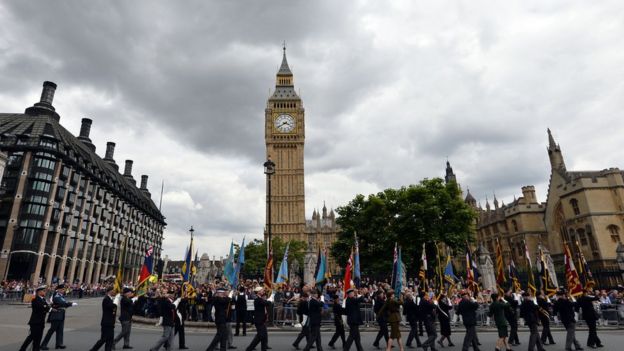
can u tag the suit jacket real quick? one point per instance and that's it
(221, 306)
(410, 310)
(565, 309)
(545, 305)
(241, 303)
(529, 311)
(302, 309)
(338, 312)
(109, 310)
(391, 309)
(379, 303)
(260, 313)
(352, 310)
(39, 309)
(427, 310)
(315, 307)
(167, 312)
(127, 307)
(512, 312)
(59, 304)
(468, 310)
(586, 304)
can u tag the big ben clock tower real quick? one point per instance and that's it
(284, 130)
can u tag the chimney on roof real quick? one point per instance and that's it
(44, 106)
(108, 157)
(85, 130)
(128, 169)
(144, 182)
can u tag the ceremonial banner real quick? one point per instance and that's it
(268, 274)
(531, 278)
(548, 286)
(422, 274)
(471, 282)
(347, 276)
(586, 274)
(146, 272)
(356, 268)
(500, 269)
(118, 284)
(572, 277)
(282, 274)
(513, 276)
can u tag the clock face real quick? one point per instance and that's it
(284, 123)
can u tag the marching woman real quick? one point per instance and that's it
(445, 306)
(392, 309)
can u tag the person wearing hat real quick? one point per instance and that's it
(444, 317)
(512, 317)
(39, 308)
(427, 310)
(585, 303)
(529, 311)
(392, 310)
(410, 310)
(354, 318)
(109, 311)
(338, 323)
(304, 320)
(221, 305)
(241, 310)
(315, 307)
(167, 320)
(382, 319)
(56, 318)
(260, 319)
(565, 308)
(125, 317)
(467, 309)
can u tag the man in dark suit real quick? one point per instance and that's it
(511, 314)
(315, 307)
(39, 308)
(340, 331)
(467, 309)
(529, 311)
(354, 318)
(241, 311)
(221, 305)
(410, 310)
(544, 316)
(167, 320)
(57, 318)
(585, 303)
(565, 308)
(109, 311)
(125, 317)
(382, 320)
(180, 320)
(304, 320)
(427, 310)
(260, 319)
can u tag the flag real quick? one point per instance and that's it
(471, 282)
(422, 273)
(188, 261)
(396, 269)
(268, 273)
(321, 272)
(439, 275)
(319, 259)
(118, 285)
(531, 279)
(146, 272)
(449, 273)
(572, 277)
(588, 278)
(347, 276)
(547, 285)
(240, 263)
(513, 276)
(357, 277)
(282, 274)
(500, 269)
(398, 278)
(229, 271)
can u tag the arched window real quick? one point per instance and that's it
(582, 237)
(575, 207)
(614, 230)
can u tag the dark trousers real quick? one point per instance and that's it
(55, 327)
(106, 338)
(240, 319)
(420, 327)
(220, 337)
(36, 333)
(382, 333)
(571, 337)
(262, 338)
(413, 334)
(431, 334)
(470, 339)
(126, 327)
(534, 338)
(304, 333)
(315, 337)
(179, 330)
(546, 334)
(513, 331)
(354, 336)
(592, 338)
(340, 333)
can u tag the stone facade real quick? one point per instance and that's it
(65, 211)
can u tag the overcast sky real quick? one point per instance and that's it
(391, 89)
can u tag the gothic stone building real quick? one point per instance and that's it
(581, 206)
(64, 209)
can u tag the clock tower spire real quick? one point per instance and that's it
(284, 139)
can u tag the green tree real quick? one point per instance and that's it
(428, 212)
(255, 255)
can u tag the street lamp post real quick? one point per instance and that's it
(269, 170)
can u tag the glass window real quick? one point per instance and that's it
(40, 186)
(47, 143)
(575, 207)
(614, 230)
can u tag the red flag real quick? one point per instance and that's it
(347, 277)
(572, 276)
(500, 269)
(268, 274)
(148, 263)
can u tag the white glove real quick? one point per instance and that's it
(160, 320)
(134, 299)
(74, 304)
(177, 301)
(231, 294)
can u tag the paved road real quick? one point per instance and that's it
(82, 330)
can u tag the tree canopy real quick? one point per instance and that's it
(255, 255)
(431, 211)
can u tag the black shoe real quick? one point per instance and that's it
(231, 347)
(331, 346)
(478, 343)
(295, 346)
(43, 348)
(61, 347)
(376, 346)
(601, 345)
(127, 347)
(451, 344)
(269, 348)
(183, 348)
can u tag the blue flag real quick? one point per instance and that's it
(399, 272)
(322, 267)
(241, 254)
(449, 274)
(229, 271)
(357, 276)
(282, 275)
(188, 262)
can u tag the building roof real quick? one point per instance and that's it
(284, 69)
(21, 132)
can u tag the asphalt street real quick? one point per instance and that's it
(82, 330)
